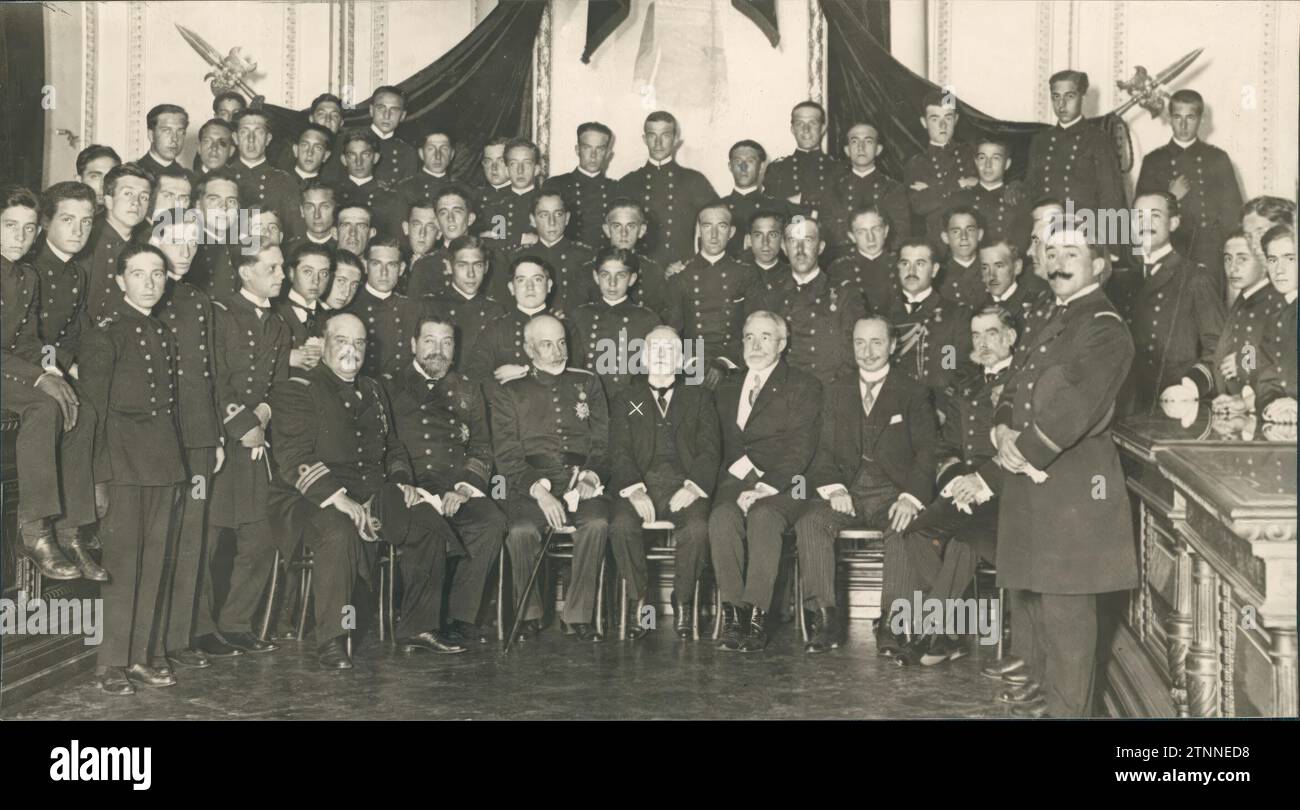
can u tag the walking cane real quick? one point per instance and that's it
(532, 578)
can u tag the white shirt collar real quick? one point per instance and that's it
(64, 257)
(1079, 294)
(610, 303)
(592, 175)
(248, 165)
(316, 241)
(744, 192)
(299, 172)
(999, 365)
(660, 163)
(431, 174)
(549, 244)
(1256, 287)
(539, 308)
(873, 378)
(916, 299)
(157, 158)
(506, 184)
(966, 265)
(993, 187)
(300, 301)
(712, 259)
(1290, 297)
(1071, 123)
(871, 258)
(1157, 255)
(757, 376)
(362, 181)
(870, 171)
(522, 192)
(1185, 144)
(462, 294)
(380, 135)
(382, 296)
(762, 266)
(817, 271)
(255, 300)
(1010, 292)
(941, 145)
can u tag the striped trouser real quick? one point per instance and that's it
(815, 533)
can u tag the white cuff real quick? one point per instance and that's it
(474, 492)
(52, 370)
(627, 492)
(909, 496)
(695, 489)
(544, 483)
(765, 489)
(742, 467)
(831, 490)
(330, 500)
(944, 465)
(591, 478)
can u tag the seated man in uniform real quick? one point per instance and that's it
(1005, 282)
(550, 431)
(666, 455)
(339, 495)
(1276, 399)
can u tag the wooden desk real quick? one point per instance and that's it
(1211, 631)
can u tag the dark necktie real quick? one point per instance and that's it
(661, 398)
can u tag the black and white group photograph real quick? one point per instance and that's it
(649, 360)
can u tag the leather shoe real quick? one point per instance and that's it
(888, 643)
(683, 618)
(211, 646)
(734, 622)
(162, 667)
(333, 654)
(1018, 677)
(428, 641)
(249, 643)
(1030, 711)
(464, 632)
(756, 638)
(826, 632)
(529, 628)
(1021, 694)
(38, 546)
(80, 557)
(586, 632)
(941, 648)
(188, 659)
(998, 669)
(114, 681)
(148, 676)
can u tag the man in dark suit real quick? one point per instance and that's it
(314, 146)
(47, 447)
(770, 417)
(1276, 398)
(93, 163)
(872, 469)
(362, 187)
(340, 494)
(436, 153)
(261, 184)
(167, 124)
(763, 244)
(958, 278)
(507, 214)
(624, 226)
(128, 373)
(442, 421)
(1052, 434)
(1177, 315)
(665, 443)
(586, 190)
(314, 222)
(397, 159)
(550, 434)
(1003, 206)
(501, 353)
(572, 261)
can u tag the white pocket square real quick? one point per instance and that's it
(896, 419)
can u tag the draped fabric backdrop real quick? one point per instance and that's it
(22, 77)
(479, 90)
(866, 83)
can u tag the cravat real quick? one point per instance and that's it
(868, 400)
(661, 397)
(753, 392)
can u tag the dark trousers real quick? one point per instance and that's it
(815, 532)
(135, 533)
(746, 549)
(185, 551)
(254, 555)
(944, 546)
(52, 462)
(523, 542)
(481, 526)
(691, 539)
(1063, 656)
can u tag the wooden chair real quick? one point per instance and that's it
(990, 574)
(661, 553)
(859, 553)
(559, 551)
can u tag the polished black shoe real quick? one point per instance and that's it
(888, 643)
(683, 618)
(586, 632)
(999, 669)
(249, 643)
(333, 654)
(148, 676)
(211, 646)
(529, 628)
(733, 627)
(826, 632)
(79, 555)
(38, 546)
(1018, 677)
(288, 634)
(465, 633)
(163, 667)
(756, 637)
(1030, 711)
(114, 681)
(1028, 693)
(188, 659)
(940, 649)
(429, 641)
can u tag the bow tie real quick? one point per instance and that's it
(990, 376)
(661, 391)
(307, 309)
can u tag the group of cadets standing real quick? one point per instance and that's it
(185, 383)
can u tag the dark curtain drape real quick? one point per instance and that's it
(479, 90)
(22, 77)
(763, 14)
(603, 17)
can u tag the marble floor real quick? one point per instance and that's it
(552, 678)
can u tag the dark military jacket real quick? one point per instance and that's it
(1005, 210)
(20, 345)
(1210, 210)
(1029, 293)
(421, 186)
(504, 215)
(933, 342)
(299, 330)
(819, 316)
(501, 343)
(598, 327)
(443, 426)
(215, 269)
(810, 173)
(573, 264)
(964, 436)
(961, 285)
(940, 168)
(1277, 376)
(128, 375)
(1077, 164)
(386, 209)
(398, 160)
(147, 162)
(266, 187)
(711, 302)
(544, 425)
(61, 305)
(876, 279)
(587, 200)
(331, 434)
(778, 269)
(852, 192)
(651, 288)
(672, 196)
(390, 323)
(1249, 319)
(187, 312)
(470, 316)
(99, 258)
(1176, 322)
(251, 353)
(1061, 396)
(743, 207)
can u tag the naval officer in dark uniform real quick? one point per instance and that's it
(937, 177)
(1074, 160)
(605, 332)
(808, 177)
(464, 303)
(586, 190)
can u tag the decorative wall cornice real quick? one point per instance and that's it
(378, 42)
(943, 43)
(1043, 59)
(1266, 95)
(135, 109)
(90, 70)
(290, 88)
(816, 52)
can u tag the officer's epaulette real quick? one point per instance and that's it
(217, 303)
(302, 380)
(1109, 313)
(105, 321)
